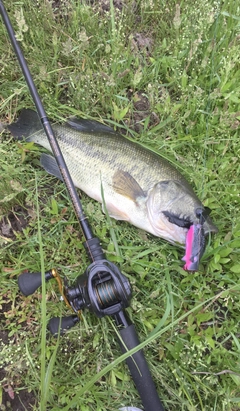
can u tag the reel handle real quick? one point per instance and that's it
(28, 283)
(60, 325)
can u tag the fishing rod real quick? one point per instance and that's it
(103, 289)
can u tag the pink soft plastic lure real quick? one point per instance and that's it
(195, 245)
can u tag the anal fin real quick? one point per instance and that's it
(49, 164)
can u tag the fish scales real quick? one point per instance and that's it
(112, 152)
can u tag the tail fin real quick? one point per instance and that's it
(27, 124)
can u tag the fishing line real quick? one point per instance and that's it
(209, 104)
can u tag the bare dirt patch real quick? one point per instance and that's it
(15, 221)
(141, 110)
(12, 401)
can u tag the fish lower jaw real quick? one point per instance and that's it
(174, 234)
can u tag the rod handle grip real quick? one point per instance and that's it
(140, 372)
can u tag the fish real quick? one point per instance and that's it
(139, 186)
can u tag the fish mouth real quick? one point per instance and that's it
(183, 222)
(195, 237)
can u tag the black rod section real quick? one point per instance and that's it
(137, 364)
(86, 229)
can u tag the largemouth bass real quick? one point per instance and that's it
(139, 186)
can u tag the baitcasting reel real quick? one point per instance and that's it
(102, 289)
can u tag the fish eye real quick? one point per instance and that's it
(199, 212)
(202, 213)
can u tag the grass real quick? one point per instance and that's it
(101, 60)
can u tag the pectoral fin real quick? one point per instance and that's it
(123, 183)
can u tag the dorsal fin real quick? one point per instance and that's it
(82, 124)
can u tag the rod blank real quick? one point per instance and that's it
(47, 128)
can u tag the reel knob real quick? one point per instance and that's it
(28, 283)
(61, 325)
